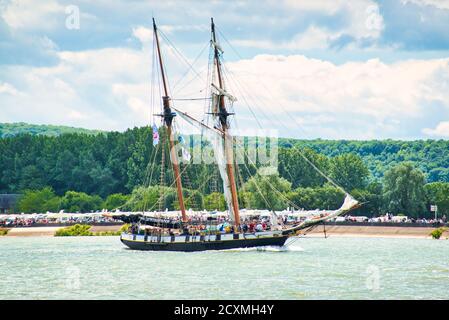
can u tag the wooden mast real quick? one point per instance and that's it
(168, 116)
(223, 115)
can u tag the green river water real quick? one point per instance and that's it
(310, 268)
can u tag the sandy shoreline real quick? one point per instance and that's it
(375, 232)
(50, 231)
(331, 231)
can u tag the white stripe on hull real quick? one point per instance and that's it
(211, 237)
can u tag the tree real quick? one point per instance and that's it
(293, 167)
(103, 181)
(80, 202)
(371, 198)
(147, 198)
(31, 178)
(326, 197)
(349, 171)
(114, 201)
(439, 174)
(244, 198)
(139, 158)
(118, 162)
(404, 190)
(438, 193)
(192, 200)
(267, 190)
(62, 171)
(215, 201)
(39, 201)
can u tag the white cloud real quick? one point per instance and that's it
(76, 115)
(258, 44)
(364, 22)
(29, 14)
(110, 89)
(175, 28)
(101, 65)
(137, 105)
(145, 35)
(106, 88)
(312, 38)
(329, 7)
(441, 130)
(370, 96)
(6, 88)
(79, 90)
(441, 4)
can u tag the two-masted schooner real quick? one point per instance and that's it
(162, 235)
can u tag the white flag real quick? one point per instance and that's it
(185, 154)
(155, 135)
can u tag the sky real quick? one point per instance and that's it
(333, 69)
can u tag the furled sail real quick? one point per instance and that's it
(216, 139)
(217, 142)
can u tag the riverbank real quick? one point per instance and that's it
(50, 231)
(331, 231)
(375, 232)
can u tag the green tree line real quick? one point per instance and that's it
(13, 129)
(88, 172)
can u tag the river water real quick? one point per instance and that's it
(310, 268)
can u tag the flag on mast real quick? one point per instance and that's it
(186, 154)
(155, 135)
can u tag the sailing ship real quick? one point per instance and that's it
(165, 234)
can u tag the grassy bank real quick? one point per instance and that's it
(437, 233)
(79, 230)
(3, 231)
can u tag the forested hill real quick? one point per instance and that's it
(431, 156)
(13, 129)
(398, 176)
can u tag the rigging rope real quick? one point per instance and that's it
(300, 152)
(229, 76)
(190, 68)
(271, 186)
(179, 53)
(190, 99)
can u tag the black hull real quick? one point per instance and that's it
(205, 245)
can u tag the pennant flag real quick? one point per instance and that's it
(155, 135)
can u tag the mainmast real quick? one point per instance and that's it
(168, 116)
(223, 119)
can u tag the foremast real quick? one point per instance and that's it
(168, 116)
(222, 114)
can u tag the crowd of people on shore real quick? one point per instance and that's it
(389, 218)
(249, 224)
(30, 221)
